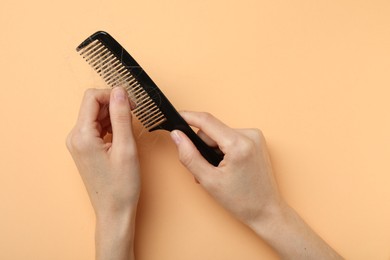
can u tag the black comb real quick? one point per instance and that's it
(153, 110)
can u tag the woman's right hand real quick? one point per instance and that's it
(243, 182)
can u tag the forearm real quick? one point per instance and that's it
(284, 230)
(114, 237)
(244, 184)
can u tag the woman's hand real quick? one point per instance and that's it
(110, 170)
(244, 184)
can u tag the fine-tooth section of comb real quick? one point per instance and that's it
(115, 73)
(116, 66)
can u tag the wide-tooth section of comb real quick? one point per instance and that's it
(115, 73)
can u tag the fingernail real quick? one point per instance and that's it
(119, 94)
(175, 137)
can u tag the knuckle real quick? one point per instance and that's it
(121, 118)
(205, 119)
(256, 135)
(186, 158)
(89, 93)
(76, 142)
(243, 147)
(246, 146)
(206, 116)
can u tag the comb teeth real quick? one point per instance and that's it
(115, 73)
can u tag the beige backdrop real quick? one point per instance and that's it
(313, 75)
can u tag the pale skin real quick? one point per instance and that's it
(243, 183)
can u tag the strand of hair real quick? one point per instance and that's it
(156, 122)
(150, 120)
(150, 117)
(148, 112)
(140, 112)
(141, 106)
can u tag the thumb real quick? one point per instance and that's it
(122, 132)
(190, 157)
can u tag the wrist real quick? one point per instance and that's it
(114, 213)
(115, 220)
(114, 235)
(285, 231)
(272, 215)
(109, 207)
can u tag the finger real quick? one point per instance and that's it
(210, 142)
(133, 105)
(190, 157)
(107, 129)
(212, 127)
(106, 122)
(92, 102)
(121, 120)
(104, 112)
